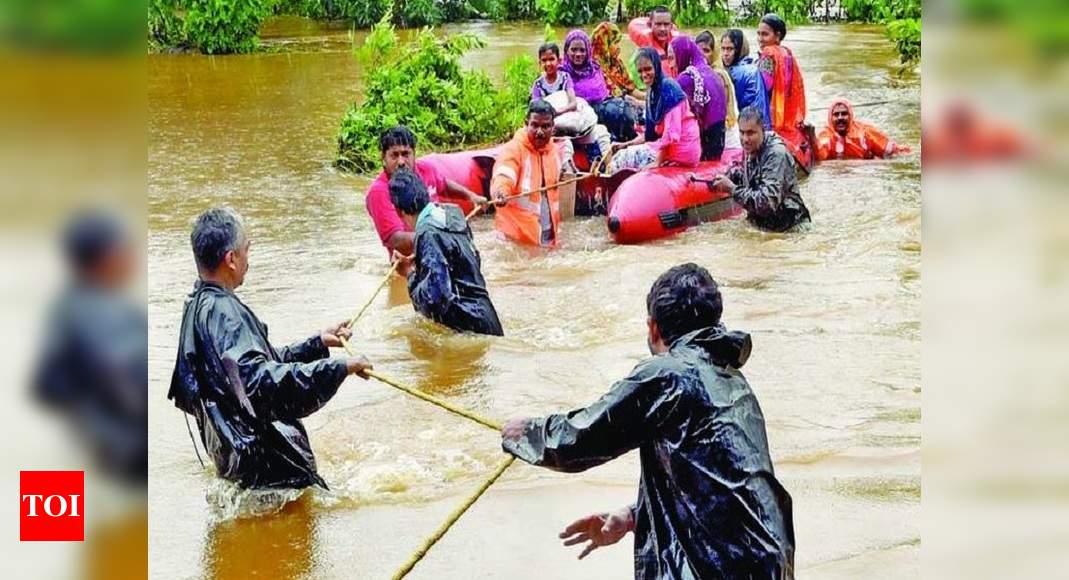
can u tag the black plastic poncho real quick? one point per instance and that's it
(709, 504)
(247, 397)
(768, 188)
(447, 283)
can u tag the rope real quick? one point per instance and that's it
(453, 517)
(385, 279)
(459, 512)
(869, 104)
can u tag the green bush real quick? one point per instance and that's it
(224, 26)
(906, 35)
(881, 10)
(695, 15)
(514, 9)
(424, 86)
(306, 8)
(165, 28)
(573, 12)
(792, 11)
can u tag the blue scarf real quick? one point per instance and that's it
(664, 94)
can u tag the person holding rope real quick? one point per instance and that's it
(529, 163)
(247, 396)
(709, 504)
(446, 284)
(766, 186)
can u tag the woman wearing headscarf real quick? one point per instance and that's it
(671, 134)
(742, 66)
(705, 94)
(783, 81)
(589, 83)
(707, 42)
(606, 51)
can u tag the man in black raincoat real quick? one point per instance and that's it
(709, 505)
(767, 186)
(248, 398)
(447, 283)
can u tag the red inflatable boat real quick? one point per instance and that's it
(472, 169)
(656, 203)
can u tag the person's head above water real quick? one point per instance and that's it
(539, 123)
(771, 30)
(221, 247)
(682, 300)
(840, 116)
(98, 249)
(733, 47)
(751, 129)
(398, 147)
(661, 23)
(408, 194)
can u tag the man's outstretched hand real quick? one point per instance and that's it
(332, 336)
(598, 530)
(358, 365)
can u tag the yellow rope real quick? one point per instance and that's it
(453, 517)
(436, 401)
(378, 289)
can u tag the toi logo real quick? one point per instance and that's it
(51, 506)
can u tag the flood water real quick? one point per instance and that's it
(834, 313)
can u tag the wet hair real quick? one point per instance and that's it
(660, 9)
(540, 107)
(752, 113)
(216, 232)
(776, 24)
(549, 47)
(407, 192)
(399, 136)
(742, 48)
(704, 37)
(684, 299)
(90, 236)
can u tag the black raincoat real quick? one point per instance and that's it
(247, 396)
(709, 504)
(768, 188)
(447, 283)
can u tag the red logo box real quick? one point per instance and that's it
(51, 506)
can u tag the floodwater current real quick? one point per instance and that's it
(834, 312)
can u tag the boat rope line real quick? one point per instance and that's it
(474, 497)
(446, 405)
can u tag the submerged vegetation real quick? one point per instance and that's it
(424, 86)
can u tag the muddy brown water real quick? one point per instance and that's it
(834, 311)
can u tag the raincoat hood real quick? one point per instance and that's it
(722, 347)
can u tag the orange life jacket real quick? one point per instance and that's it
(521, 168)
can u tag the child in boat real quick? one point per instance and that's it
(552, 78)
(573, 116)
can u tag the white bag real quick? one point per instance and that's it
(577, 122)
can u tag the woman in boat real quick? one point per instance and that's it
(589, 84)
(783, 82)
(671, 135)
(707, 42)
(742, 66)
(605, 45)
(705, 94)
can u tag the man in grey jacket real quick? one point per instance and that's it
(767, 186)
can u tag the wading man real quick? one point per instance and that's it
(247, 396)
(767, 186)
(398, 147)
(709, 505)
(446, 284)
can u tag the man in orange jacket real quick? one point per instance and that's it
(529, 163)
(848, 138)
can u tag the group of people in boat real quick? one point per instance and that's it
(708, 505)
